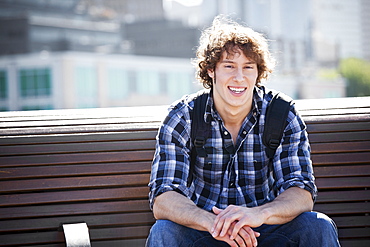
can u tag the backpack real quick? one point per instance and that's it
(275, 123)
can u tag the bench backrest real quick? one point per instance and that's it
(93, 166)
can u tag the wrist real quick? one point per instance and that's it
(205, 221)
(266, 213)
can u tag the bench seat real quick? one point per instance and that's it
(93, 165)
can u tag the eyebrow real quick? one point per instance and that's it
(230, 61)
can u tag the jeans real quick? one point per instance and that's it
(310, 229)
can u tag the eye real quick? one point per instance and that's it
(228, 66)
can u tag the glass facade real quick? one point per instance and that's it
(148, 82)
(3, 85)
(178, 84)
(90, 82)
(86, 87)
(118, 83)
(35, 82)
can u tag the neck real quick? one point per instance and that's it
(233, 116)
(233, 119)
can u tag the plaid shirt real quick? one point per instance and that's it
(238, 174)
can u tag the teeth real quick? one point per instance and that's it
(237, 90)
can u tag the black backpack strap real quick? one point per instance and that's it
(200, 131)
(275, 122)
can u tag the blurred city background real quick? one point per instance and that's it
(59, 54)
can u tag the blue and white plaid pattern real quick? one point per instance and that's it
(239, 175)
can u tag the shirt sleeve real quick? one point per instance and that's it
(170, 167)
(292, 161)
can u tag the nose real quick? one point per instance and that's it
(239, 76)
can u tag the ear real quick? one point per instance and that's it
(211, 73)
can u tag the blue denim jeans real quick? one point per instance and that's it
(310, 229)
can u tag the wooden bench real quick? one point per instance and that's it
(92, 166)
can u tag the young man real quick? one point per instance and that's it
(237, 196)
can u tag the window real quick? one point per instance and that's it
(148, 83)
(178, 84)
(3, 85)
(35, 82)
(86, 89)
(36, 107)
(118, 83)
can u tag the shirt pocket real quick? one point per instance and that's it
(210, 169)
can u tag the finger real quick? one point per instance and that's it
(240, 241)
(226, 223)
(236, 229)
(216, 210)
(245, 237)
(222, 222)
(232, 243)
(248, 233)
(228, 217)
(216, 224)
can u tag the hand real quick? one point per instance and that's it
(235, 223)
(241, 240)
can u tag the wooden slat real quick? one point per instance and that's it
(343, 196)
(24, 239)
(343, 208)
(74, 183)
(89, 208)
(338, 127)
(75, 123)
(91, 113)
(336, 112)
(119, 243)
(129, 193)
(333, 103)
(363, 232)
(93, 221)
(111, 243)
(74, 170)
(76, 147)
(80, 129)
(80, 158)
(340, 147)
(58, 237)
(343, 182)
(343, 118)
(339, 136)
(341, 158)
(354, 242)
(79, 137)
(352, 221)
(119, 233)
(341, 171)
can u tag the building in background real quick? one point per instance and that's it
(63, 80)
(39, 39)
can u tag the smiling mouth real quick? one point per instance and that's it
(237, 90)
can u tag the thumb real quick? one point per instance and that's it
(216, 210)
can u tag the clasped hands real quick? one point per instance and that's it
(233, 225)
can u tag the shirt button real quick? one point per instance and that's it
(231, 184)
(244, 132)
(226, 133)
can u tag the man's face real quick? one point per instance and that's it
(234, 79)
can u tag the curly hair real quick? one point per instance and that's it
(227, 35)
